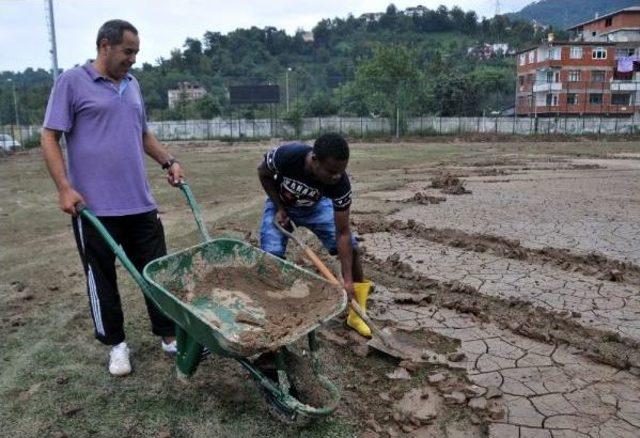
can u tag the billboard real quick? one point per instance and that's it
(252, 94)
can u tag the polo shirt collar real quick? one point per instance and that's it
(95, 74)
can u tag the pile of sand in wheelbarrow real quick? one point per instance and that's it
(272, 309)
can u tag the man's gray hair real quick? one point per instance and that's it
(113, 30)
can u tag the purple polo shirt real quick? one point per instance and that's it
(103, 126)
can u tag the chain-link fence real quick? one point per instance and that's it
(18, 137)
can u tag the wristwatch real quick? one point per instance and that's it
(170, 162)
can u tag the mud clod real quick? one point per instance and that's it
(457, 356)
(449, 184)
(425, 199)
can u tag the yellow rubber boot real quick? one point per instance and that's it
(353, 320)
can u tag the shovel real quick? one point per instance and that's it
(403, 347)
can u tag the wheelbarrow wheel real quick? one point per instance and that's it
(278, 410)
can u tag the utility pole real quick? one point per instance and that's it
(15, 109)
(52, 38)
(286, 85)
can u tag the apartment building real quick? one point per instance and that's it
(186, 91)
(595, 72)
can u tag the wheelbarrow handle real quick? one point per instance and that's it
(195, 209)
(85, 213)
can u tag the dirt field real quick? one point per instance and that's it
(523, 277)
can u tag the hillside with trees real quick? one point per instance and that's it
(562, 14)
(417, 61)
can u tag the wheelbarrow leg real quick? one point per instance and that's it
(189, 354)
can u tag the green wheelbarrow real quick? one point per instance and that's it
(204, 289)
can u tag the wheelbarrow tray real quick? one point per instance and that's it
(238, 323)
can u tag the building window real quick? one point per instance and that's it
(572, 99)
(599, 53)
(522, 58)
(608, 21)
(552, 100)
(595, 98)
(521, 80)
(555, 53)
(574, 75)
(594, 33)
(620, 99)
(553, 76)
(543, 55)
(576, 52)
(532, 56)
(530, 77)
(598, 75)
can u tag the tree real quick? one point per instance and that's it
(389, 18)
(456, 95)
(208, 107)
(192, 54)
(322, 33)
(388, 80)
(320, 104)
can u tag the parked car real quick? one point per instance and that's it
(7, 143)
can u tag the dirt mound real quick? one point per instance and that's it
(493, 172)
(424, 199)
(586, 166)
(449, 184)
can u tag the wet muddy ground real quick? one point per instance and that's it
(535, 272)
(518, 272)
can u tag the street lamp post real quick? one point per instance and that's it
(15, 109)
(286, 85)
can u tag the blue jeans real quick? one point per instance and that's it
(319, 219)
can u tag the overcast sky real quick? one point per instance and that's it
(165, 24)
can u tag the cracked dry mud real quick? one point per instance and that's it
(548, 390)
(544, 389)
(581, 209)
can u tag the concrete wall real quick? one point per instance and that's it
(364, 126)
(367, 126)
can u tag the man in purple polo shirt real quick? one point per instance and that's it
(99, 109)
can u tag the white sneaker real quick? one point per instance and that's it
(119, 364)
(171, 348)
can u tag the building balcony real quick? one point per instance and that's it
(625, 86)
(548, 86)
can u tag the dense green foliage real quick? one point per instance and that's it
(398, 62)
(562, 14)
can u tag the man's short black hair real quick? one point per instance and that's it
(331, 146)
(113, 31)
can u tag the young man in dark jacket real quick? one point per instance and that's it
(310, 186)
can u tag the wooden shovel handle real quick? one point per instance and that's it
(326, 273)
